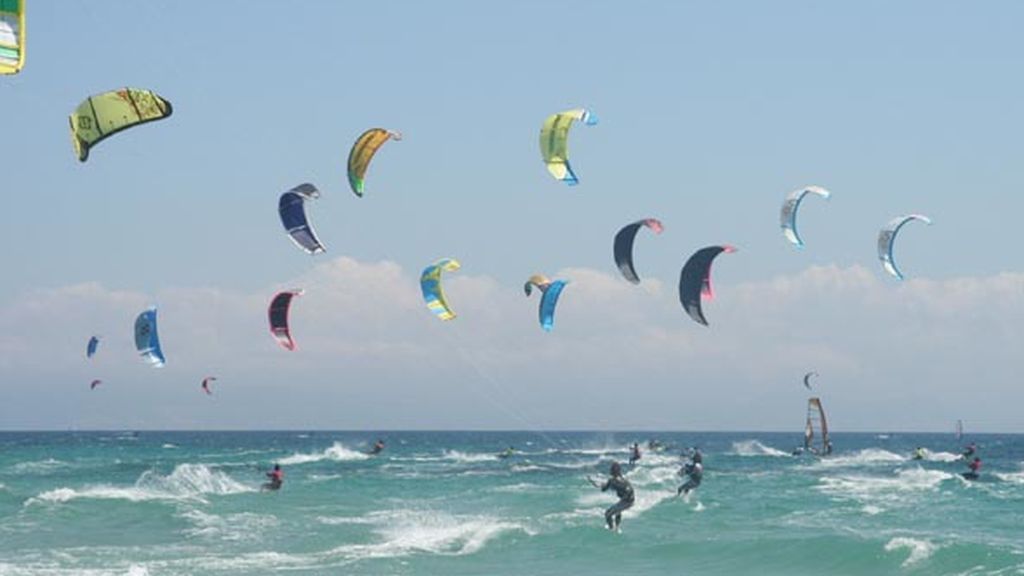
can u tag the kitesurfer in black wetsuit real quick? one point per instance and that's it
(695, 471)
(623, 489)
(378, 447)
(635, 456)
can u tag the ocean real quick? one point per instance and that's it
(156, 503)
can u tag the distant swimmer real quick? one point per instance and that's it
(974, 469)
(276, 477)
(623, 489)
(919, 453)
(378, 447)
(507, 452)
(635, 456)
(695, 471)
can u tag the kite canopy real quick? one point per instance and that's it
(887, 238)
(554, 142)
(147, 342)
(94, 384)
(108, 113)
(292, 209)
(550, 291)
(362, 152)
(280, 306)
(430, 284)
(206, 383)
(622, 248)
(695, 280)
(807, 379)
(90, 348)
(12, 36)
(787, 218)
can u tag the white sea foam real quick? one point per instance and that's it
(889, 489)
(169, 446)
(517, 488)
(919, 549)
(231, 527)
(755, 448)
(406, 532)
(866, 457)
(1012, 477)
(336, 452)
(38, 466)
(466, 457)
(186, 482)
(941, 456)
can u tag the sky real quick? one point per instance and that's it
(710, 113)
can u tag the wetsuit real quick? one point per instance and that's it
(624, 490)
(696, 473)
(636, 455)
(377, 448)
(697, 457)
(972, 474)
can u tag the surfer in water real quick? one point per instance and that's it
(276, 477)
(507, 452)
(635, 456)
(695, 471)
(623, 489)
(378, 447)
(973, 469)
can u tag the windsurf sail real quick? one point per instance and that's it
(816, 430)
(959, 429)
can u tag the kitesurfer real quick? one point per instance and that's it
(507, 452)
(695, 471)
(919, 453)
(969, 450)
(635, 456)
(276, 477)
(974, 467)
(623, 489)
(378, 447)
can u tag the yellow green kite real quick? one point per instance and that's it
(12, 36)
(108, 113)
(362, 152)
(554, 142)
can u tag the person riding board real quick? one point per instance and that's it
(974, 468)
(695, 471)
(623, 489)
(919, 453)
(969, 451)
(378, 447)
(635, 456)
(276, 477)
(507, 452)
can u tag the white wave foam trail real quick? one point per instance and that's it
(465, 457)
(919, 549)
(38, 466)
(755, 448)
(868, 456)
(1012, 477)
(406, 532)
(186, 482)
(232, 527)
(940, 456)
(892, 490)
(336, 452)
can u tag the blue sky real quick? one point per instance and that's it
(709, 114)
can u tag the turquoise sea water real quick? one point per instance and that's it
(442, 503)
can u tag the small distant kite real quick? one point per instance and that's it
(887, 238)
(292, 210)
(807, 379)
(430, 285)
(622, 248)
(695, 280)
(362, 152)
(90, 348)
(789, 208)
(94, 384)
(147, 342)
(106, 114)
(550, 291)
(554, 142)
(206, 384)
(280, 306)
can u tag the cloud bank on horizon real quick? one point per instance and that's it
(917, 355)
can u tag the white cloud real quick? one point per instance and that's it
(891, 356)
